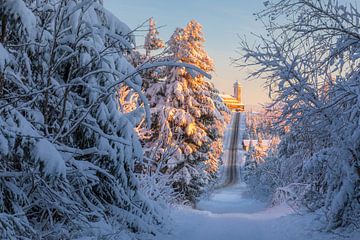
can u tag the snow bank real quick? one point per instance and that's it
(232, 215)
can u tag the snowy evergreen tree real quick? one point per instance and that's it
(187, 116)
(129, 99)
(152, 40)
(67, 152)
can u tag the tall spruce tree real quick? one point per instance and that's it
(187, 116)
(152, 40)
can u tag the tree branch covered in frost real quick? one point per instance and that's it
(309, 61)
(67, 152)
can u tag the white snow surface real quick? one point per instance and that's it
(4, 57)
(53, 162)
(17, 8)
(230, 214)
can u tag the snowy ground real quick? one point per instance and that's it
(228, 214)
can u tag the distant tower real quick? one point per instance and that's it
(237, 91)
(235, 103)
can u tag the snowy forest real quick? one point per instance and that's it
(101, 138)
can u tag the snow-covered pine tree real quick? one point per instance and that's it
(129, 99)
(187, 116)
(67, 152)
(152, 40)
(154, 182)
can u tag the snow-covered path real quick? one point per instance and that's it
(233, 149)
(230, 214)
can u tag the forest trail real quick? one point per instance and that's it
(231, 214)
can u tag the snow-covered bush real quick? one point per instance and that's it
(310, 60)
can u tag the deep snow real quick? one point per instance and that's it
(229, 214)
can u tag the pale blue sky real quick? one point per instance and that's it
(222, 20)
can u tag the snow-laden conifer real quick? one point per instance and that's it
(187, 116)
(67, 152)
(152, 40)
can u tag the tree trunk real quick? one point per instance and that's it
(2, 83)
(3, 28)
(2, 40)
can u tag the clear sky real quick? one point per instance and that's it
(221, 21)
